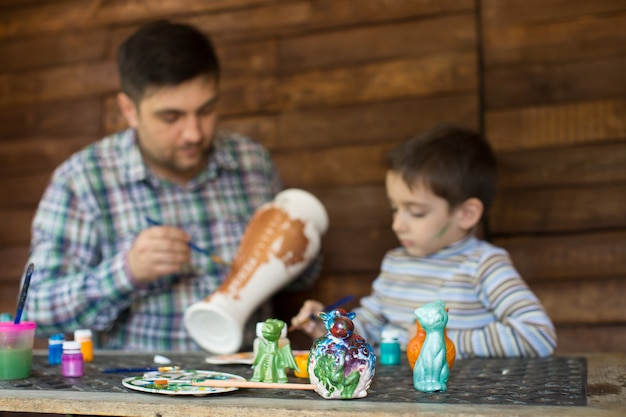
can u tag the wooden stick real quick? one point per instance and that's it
(234, 383)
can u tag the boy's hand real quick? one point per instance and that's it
(303, 321)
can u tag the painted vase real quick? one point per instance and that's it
(341, 363)
(280, 241)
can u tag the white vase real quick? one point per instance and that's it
(281, 240)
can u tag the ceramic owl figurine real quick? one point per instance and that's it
(431, 371)
(341, 363)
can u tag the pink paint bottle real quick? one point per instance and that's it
(72, 364)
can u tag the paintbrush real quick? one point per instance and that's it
(140, 369)
(235, 383)
(193, 246)
(22, 300)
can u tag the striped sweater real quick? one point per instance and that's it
(492, 312)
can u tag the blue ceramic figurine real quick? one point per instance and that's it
(271, 361)
(341, 363)
(430, 372)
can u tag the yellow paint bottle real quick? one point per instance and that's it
(84, 337)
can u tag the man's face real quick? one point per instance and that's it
(175, 127)
(422, 221)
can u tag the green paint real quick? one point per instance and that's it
(15, 363)
(332, 376)
(443, 230)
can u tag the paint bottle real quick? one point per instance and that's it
(84, 337)
(6, 317)
(389, 348)
(55, 348)
(72, 365)
(259, 337)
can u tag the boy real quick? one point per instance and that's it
(440, 185)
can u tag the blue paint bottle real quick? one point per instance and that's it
(389, 348)
(55, 348)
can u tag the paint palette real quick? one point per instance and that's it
(179, 382)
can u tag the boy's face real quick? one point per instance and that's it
(175, 127)
(422, 221)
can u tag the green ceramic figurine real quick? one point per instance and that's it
(271, 361)
(430, 372)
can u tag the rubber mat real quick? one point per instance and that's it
(558, 381)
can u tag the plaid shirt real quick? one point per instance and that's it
(94, 208)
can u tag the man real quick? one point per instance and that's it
(111, 236)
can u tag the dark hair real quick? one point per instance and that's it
(455, 163)
(163, 53)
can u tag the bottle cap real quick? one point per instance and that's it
(389, 335)
(5, 317)
(71, 345)
(259, 328)
(82, 334)
(56, 339)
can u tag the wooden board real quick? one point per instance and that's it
(63, 119)
(542, 84)
(388, 122)
(13, 260)
(568, 257)
(512, 12)
(47, 51)
(547, 42)
(58, 84)
(588, 301)
(78, 14)
(563, 166)
(348, 165)
(428, 76)
(551, 209)
(247, 58)
(16, 229)
(574, 339)
(361, 45)
(297, 17)
(22, 191)
(561, 124)
(38, 155)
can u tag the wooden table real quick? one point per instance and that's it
(606, 397)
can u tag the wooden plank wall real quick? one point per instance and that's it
(554, 106)
(329, 86)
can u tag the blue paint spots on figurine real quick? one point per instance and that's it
(341, 363)
(430, 372)
(271, 361)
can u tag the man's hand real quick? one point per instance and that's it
(158, 251)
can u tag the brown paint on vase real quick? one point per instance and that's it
(270, 232)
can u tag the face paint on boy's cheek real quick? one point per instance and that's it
(443, 230)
